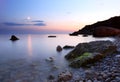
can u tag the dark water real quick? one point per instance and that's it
(30, 53)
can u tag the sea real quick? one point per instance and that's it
(29, 58)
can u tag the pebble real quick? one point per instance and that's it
(118, 56)
(89, 80)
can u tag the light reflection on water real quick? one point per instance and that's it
(36, 49)
(29, 45)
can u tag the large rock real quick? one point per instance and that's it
(14, 38)
(85, 53)
(86, 58)
(103, 31)
(89, 29)
(94, 46)
(65, 76)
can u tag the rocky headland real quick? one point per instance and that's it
(110, 27)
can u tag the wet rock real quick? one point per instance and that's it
(86, 58)
(68, 47)
(65, 76)
(94, 46)
(50, 59)
(14, 38)
(59, 48)
(86, 53)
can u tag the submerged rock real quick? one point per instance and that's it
(51, 77)
(85, 53)
(59, 48)
(50, 59)
(14, 38)
(68, 47)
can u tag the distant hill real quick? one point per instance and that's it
(113, 22)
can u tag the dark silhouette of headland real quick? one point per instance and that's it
(109, 27)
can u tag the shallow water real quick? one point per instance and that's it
(25, 59)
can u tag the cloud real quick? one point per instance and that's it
(36, 23)
(39, 24)
(14, 24)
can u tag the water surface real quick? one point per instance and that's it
(29, 55)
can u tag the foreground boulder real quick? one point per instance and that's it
(14, 38)
(85, 53)
(65, 76)
(105, 32)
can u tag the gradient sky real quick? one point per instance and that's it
(53, 16)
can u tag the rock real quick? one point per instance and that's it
(50, 59)
(117, 56)
(89, 81)
(90, 74)
(117, 78)
(51, 77)
(51, 36)
(87, 53)
(74, 34)
(104, 31)
(85, 35)
(94, 46)
(14, 38)
(89, 29)
(64, 76)
(86, 58)
(68, 47)
(59, 48)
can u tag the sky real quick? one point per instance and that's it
(53, 16)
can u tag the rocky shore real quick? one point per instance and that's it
(104, 70)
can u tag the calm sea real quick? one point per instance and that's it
(34, 50)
